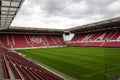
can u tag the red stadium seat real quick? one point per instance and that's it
(29, 41)
(22, 68)
(97, 39)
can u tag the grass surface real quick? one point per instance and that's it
(79, 63)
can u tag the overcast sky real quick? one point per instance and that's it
(62, 14)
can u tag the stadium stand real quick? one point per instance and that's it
(28, 41)
(97, 39)
(16, 66)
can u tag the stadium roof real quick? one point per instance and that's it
(114, 22)
(9, 9)
(36, 29)
(101, 25)
(28, 30)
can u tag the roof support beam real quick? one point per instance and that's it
(8, 14)
(10, 6)
(0, 12)
(12, 0)
(6, 10)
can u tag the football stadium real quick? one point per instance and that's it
(92, 53)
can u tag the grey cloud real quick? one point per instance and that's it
(53, 7)
(52, 13)
(59, 8)
(26, 9)
(101, 7)
(98, 5)
(62, 8)
(26, 12)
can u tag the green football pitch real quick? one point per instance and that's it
(79, 63)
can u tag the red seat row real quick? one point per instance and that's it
(97, 39)
(29, 40)
(23, 68)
